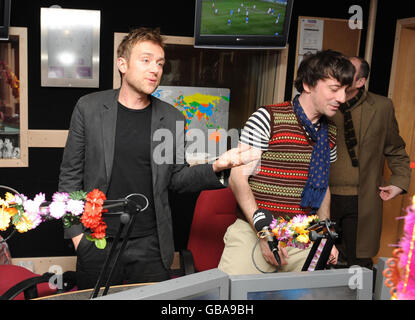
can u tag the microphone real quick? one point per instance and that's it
(262, 219)
(322, 230)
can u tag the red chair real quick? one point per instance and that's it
(214, 213)
(19, 283)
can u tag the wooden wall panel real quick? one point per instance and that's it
(402, 93)
(336, 36)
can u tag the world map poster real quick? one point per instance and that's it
(205, 109)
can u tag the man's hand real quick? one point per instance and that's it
(269, 256)
(389, 192)
(76, 240)
(261, 219)
(236, 157)
(334, 256)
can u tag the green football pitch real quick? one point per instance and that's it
(217, 17)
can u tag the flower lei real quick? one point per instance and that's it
(294, 232)
(73, 208)
(400, 274)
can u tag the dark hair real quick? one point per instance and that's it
(322, 65)
(138, 35)
(364, 68)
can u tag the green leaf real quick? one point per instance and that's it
(78, 195)
(100, 243)
(16, 219)
(89, 237)
(69, 220)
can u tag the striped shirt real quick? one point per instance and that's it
(257, 132)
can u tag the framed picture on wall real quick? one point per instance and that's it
(13, 100)
(70, 47)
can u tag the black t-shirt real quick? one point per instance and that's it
(131, 171)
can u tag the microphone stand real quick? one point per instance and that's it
(130, 210)
(127, 218)
(318, 232)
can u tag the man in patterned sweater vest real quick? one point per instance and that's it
(297, 145)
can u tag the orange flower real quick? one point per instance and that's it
(89, 222)
(96, 196)
(99, 231)
(92, 215)
(92, 209)
(24, 224)
(11, 211)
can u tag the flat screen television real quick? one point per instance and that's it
(4, 19)
(242, 24)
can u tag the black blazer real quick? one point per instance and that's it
(89, 152)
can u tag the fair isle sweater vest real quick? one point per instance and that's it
(283, 171)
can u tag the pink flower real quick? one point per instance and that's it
(19, 199)
(60, 197)
(31, 206)
(39, 198)
(273, 224)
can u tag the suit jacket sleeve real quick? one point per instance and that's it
(194, 179)
(72, 167)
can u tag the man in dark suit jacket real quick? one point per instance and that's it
(114, 145)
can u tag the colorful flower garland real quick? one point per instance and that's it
(400, 276)
(73, 208)
(294, 232)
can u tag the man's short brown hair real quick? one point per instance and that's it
(138, 35)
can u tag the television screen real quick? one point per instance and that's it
(242, 23)
(4, 19)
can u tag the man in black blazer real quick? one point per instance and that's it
(114, 145)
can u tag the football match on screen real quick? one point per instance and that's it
(238, 17)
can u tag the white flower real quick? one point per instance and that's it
(76, 207)
(39, 198)
(57, 209)
(31, 206)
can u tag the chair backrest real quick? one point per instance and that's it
(12, 275)
(214, 212)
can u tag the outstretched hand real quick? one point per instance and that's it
(389, 192)
(236, 157)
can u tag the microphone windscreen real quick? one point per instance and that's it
(262, 219)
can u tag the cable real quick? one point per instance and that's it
(253, 260)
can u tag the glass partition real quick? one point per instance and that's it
(13, 99)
